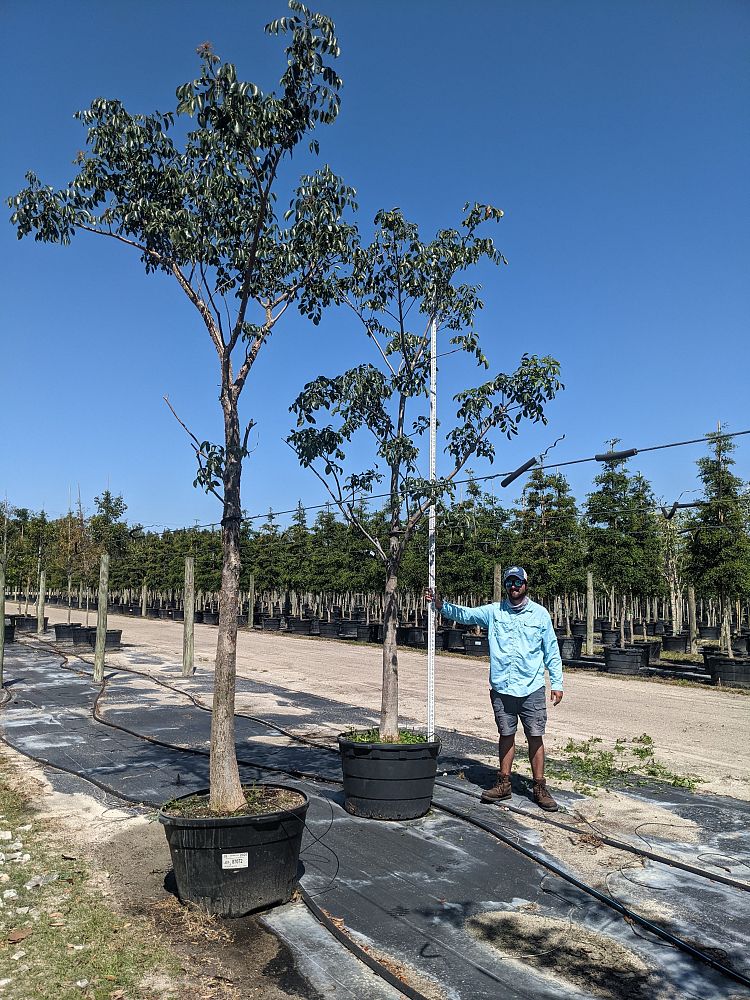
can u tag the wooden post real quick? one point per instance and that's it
(188, 628)
(251, 603)
(39, 603)
(497, 584)
(589, 613)
(2, 617)
(693, 620)
(101, 619)
(144, 599)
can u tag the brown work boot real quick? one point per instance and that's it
(542, 797)
(501, 790)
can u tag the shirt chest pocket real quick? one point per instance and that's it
(531, 635)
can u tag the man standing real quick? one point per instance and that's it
(522, 644)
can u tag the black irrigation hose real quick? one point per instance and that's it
(364, 956)
(603, 898)
(610, 901)
(320, 915)
(620, 845)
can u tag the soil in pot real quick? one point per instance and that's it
(388, 780)
(233, 865)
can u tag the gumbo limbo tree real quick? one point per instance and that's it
(203, 208)
(397, 286)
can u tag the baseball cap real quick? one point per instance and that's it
(518, 571)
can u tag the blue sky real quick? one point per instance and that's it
(614, 136)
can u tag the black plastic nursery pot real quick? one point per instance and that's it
(651, 649)
(676, 643)
(210, 617)
(328, 630)
(708, 631)
(453, 640)
(570, 646)
(630, 660)
(10, 633)
(579, 629)
(233, 865)
(476, 645)
(729, 671)
(112, 638)
(388, 780)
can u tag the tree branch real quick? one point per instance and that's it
(195, 445)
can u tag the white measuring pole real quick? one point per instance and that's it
(431, 544)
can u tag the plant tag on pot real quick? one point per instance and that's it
(234, 860)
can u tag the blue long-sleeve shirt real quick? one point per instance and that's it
(522, 643)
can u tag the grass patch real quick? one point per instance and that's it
(59, 939)
(373, 736)
(589, 762)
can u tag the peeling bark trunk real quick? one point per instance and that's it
(226, 788)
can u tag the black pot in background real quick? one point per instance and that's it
(610, 637)
(112, 638)
(675, 643)
(570, 647)
(630, 660)
(348, 630)
(210, 617)
(708, 631)
(328, 630)
(453, 640)
(729, 671)
(651, 649)
(233, 865)
(298, 626)
(10, 633)
(578, 628)
(476, 645)
(388, 780)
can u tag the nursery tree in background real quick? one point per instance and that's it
(203, 210)
(623, 540)
(397, 287)
(718, 550)
(550, 540)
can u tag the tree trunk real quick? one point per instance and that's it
(589, 613)
(389, 704)
(622, 621)
(70, 586)
(226, 788)
(693, 621)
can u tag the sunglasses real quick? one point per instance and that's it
(514, 584)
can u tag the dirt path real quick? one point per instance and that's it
(696, 730)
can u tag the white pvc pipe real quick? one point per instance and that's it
(431, 544)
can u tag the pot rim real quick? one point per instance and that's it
(167, 819)
(343, 740)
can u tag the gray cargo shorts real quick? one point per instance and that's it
(532, 709)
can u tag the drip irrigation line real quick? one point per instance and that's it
(624, 911)
(380, 970)
(609, 901)
(306, 775)
(620, 845)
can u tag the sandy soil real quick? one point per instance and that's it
(128, 858)
(696, 730)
